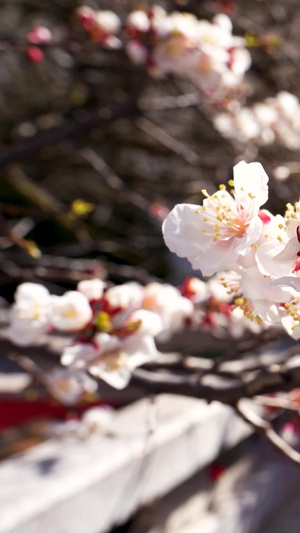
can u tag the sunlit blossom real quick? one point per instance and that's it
(213, 235)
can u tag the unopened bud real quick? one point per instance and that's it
(39, 35)
(35, 54)
(86, 16)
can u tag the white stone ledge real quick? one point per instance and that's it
(75, 486)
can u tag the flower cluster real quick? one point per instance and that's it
(102, 26)
(276, 118)
(113, 329)
(216, 311)
(252, 255)
(205, 52)
(258, 251)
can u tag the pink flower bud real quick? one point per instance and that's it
(86, 17)
(35, 54)
(158, 211)
(39, 35)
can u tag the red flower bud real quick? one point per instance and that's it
(35, 54)
(86, 17)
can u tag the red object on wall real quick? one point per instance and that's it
(18, 411)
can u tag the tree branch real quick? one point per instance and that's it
(275, 378)
(265, 428)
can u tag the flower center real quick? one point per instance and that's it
(293, 310)
(223, 219)
(248, 309)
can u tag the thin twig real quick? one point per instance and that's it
(280, 403)
(112, 180)
(265, 428)
(168, 141)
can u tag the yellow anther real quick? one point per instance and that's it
(239, 301)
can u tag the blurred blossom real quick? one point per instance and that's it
(69, 387)
(290, 432)
(70, 312)
(35, 54)
(281, 173)
(30, 314)
(96, 419)
(86, 16)
(39, 35)
(275, 119)
(92, 289)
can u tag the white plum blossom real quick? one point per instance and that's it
(116, 358)
(169, 304)
(224, 285)
(30, 314)
(136, 52)
(274, 119)
(79, 354)
(128, 296)
(70, 312)
(146, 322)
(95, 419)
(112, 359)
(68, 386)
(107, 22)
(205, 52)
(111, 355)
(290, 318)
(138, 21)
(102, 25)
(279, 256)
(92, 289)
(261, 299)
(195, 290)
(213, 235)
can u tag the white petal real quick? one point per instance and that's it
(250, 179)
(182, 231)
